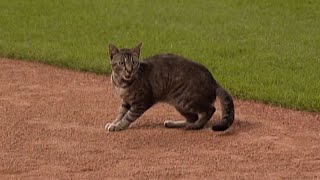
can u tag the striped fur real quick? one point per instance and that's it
(169, 78)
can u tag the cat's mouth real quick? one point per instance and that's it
(127, 78)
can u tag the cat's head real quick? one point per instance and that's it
(125, 62)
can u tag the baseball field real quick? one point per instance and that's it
(56, 96)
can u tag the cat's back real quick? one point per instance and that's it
(169, 72)
(173, 62)
(178, 66)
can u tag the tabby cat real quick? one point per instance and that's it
(169, 78)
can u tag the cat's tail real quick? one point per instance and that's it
(227, 108)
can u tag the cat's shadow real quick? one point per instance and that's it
(239, 125)
(148, 125)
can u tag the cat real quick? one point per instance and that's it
(169, 78)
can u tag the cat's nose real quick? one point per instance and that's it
(129, 71)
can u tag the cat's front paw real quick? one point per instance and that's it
(107, 126)
(113, 127)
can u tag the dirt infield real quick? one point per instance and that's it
(52, 127)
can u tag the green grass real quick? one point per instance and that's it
(266, 50)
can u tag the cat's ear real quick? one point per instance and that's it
(137, 49)
(112, 50)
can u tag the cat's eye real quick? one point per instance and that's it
(121, 63)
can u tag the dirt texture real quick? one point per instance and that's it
(52, 127)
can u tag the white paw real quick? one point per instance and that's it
(106, 127)
(113, 127)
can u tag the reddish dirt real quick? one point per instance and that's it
(52, 127)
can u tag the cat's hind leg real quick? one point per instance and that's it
(190, 118)
(204, 117)
(175, 124)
